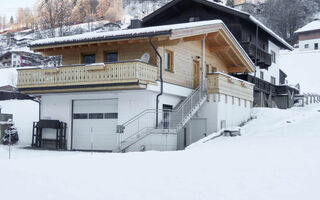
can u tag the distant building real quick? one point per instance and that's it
(238, 2)
(309, 36)
(20, 59)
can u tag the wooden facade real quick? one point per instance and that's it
(211, 46)
(251, 36)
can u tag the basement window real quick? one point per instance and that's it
(168, 59)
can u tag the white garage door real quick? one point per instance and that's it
(95, 124)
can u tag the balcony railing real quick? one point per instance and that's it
(95, 74)
(263, 58)
(225, 84)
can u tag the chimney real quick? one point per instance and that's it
(135, 23)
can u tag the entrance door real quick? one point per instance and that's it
(196, 72)
(94, 124)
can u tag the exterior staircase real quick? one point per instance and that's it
(144, 124)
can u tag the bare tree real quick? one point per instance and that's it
(286, 16)
(53, 17)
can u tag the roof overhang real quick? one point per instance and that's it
(229, 10)
(185, 31)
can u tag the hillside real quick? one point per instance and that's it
(277, 157)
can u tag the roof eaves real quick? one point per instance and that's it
(119, 37)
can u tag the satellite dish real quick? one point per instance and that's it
(145, 57)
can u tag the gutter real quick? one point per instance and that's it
(161, 80)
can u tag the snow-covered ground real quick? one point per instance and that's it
(277, 157)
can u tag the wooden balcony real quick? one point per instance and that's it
(119, 75)
(263, 58)
(225, 84)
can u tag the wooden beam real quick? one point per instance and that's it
(219, 49)
(194, 38)
(240, 69)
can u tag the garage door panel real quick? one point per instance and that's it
(99, 118)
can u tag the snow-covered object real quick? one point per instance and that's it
(139, 32)
(312, 26)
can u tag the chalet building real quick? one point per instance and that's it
(155, 88)
(309, 36)
(260, 43)
(20, 59)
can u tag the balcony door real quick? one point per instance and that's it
(196, 74)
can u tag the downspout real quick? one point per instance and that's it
(256, 56)
(161, 81)
(39, 102)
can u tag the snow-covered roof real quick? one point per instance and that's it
(312, 26)
(122, 34)
(234, 11)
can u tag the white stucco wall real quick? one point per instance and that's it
(273, 70)
(311, 43)
(215, 111)
(130, 103)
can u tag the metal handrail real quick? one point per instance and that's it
(171, 119)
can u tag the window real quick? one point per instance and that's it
(80, 116)
(194, 19)
(95, 115)
(261, 75)
(306, 46)
(316, 46)
(168, 58)
(250, 38)
(273, 56)
(112, 57)
(89, 59)
(273, 80)
(111, 115)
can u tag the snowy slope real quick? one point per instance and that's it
(277, 157)
(302, 67)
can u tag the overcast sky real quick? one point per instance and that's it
(9, 8)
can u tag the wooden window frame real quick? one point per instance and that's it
(110, 52)
(169, 68)
(88, 54)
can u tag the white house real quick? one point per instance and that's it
(309, 36)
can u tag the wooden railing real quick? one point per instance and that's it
(225, 84)
(120, 72)
(262, 56)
